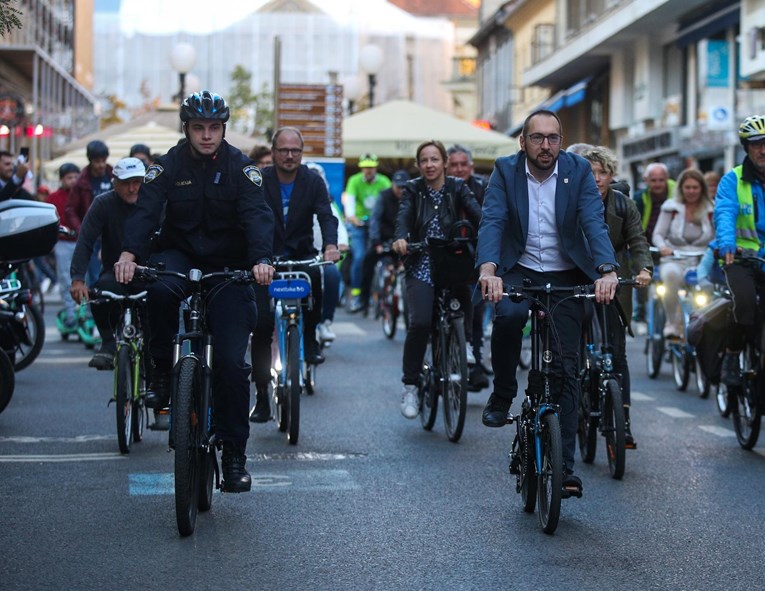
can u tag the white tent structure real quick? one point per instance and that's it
(395, 129)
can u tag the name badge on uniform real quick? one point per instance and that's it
(185, 183)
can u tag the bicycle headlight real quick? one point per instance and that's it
(661, 290)
(454, 304)
(701, 299)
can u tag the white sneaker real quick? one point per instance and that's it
(325, 333)
(409, 406)
(45, 285)
(470, 356)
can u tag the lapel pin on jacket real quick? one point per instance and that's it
(565, 181)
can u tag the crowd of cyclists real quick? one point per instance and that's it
(546, 214)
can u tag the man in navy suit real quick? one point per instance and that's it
(542, 220)
(295, 193)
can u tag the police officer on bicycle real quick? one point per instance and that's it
(208, 198)
(740, 226)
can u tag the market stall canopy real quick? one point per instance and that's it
(157, 129)
(395, 129)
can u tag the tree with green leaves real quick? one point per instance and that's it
(251, 113)
(9, 17)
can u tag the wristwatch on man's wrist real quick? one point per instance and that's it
(606, 268)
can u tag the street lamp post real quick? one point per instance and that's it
(371, 60)
(182, 58)
(352, 91)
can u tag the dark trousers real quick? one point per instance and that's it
(107, 314)
(367, 274)
(617, 339)
(479, 310)
(745, 283)
(419, 300)
(231, 317)
(263, 334)
(506, 337)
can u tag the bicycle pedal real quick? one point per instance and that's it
(510, 419)
(567, 493)
(630, 446)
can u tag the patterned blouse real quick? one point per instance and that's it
(422, 268)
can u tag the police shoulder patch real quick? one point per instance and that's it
(253, 173)
(153, 172)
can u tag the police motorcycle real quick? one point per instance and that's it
(28, 229)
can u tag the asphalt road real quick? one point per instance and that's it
(367, 499)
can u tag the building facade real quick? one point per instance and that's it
(42, 104)
(664, 80)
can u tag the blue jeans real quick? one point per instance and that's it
(359, 236)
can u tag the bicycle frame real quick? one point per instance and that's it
(289, 289)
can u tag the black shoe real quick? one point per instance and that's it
(730, 372)
(261, 412)
(477, 379)
(312, 355)
(629, 440)
(236, 479)
(495, 411)
(158, 391)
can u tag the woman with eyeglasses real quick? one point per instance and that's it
(430, 207)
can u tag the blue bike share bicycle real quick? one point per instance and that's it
(291, 292)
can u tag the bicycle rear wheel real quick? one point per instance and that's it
(721, 397)
(427, 392)
(206, 475)
(528, 475)
(388, 311)
(703, 386)
(587, 431)
(550, 479)
(455, 380)
(292, 387)
(613, 429)
(185, 424)
(123, 395)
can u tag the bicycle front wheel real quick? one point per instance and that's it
(35, 328)
(292, 387)
(185, 424)
(206, 475)
(550, 479)
(703, 386)
(455, 380)
(123, 396)
(655, 340)
(745, 409)
(613, 429)
(681, 366)
(388, 311)
(7, 380)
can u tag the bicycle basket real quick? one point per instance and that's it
(452, 262)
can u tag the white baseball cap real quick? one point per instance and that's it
(129, 168)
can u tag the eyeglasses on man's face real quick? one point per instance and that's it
(538, 139)
(289, 151)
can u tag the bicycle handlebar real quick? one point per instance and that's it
(110, 295)
(194, 275)
(577, 291)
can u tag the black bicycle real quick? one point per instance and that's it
(536, 457)
(192, 430)
(601, 405)
(444, 372)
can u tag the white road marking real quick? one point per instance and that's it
(674, 412)
(719, 431)
(348, 329)
(78, 439)
(66, 361)
(641, 397)
(759, 451)
(45, 458)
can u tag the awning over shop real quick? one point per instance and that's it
(563, 99)
(709, 26)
